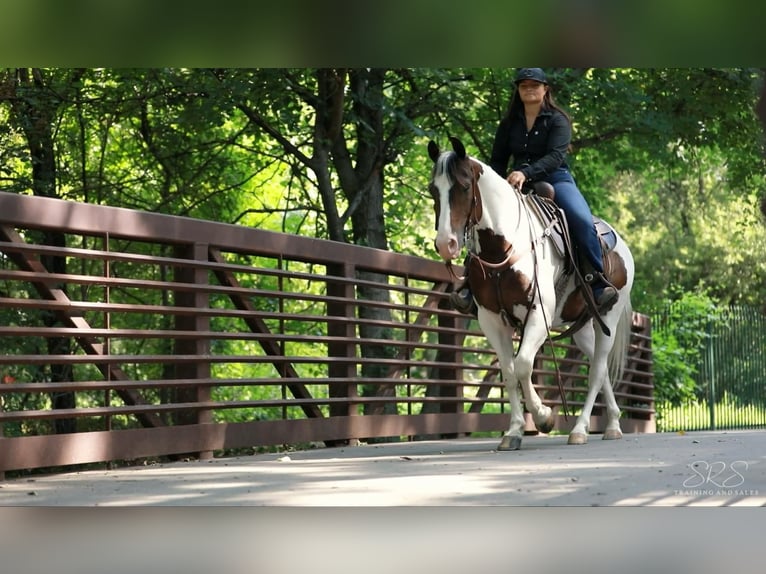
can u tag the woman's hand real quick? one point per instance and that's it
(516, 179)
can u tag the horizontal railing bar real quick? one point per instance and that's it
(218, 359)
(14, 416)
(114, 281)
(98, 307)
(202, 264)
(124, 333)
(139, 334)
(87, 386)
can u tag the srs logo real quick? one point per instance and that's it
(716, 474)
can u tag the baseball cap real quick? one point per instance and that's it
(535, 74)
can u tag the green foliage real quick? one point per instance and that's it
(671, 157)
(679, 333)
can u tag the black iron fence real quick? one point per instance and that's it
(724, 351)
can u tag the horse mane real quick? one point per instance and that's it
(449, 164)
(446, 164)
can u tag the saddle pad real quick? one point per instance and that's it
(605, 233)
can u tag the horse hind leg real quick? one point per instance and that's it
(612, 430)
(579, 433)
(598, 380)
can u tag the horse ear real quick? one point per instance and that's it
(433, 150)
(458, 146)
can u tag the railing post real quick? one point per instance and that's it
(452, 376)
(711, 368)
(345, 373)
(199, 346)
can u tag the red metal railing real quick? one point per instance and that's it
(129, 335)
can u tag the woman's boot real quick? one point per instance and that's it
(462, 300)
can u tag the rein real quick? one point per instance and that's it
(512, 256)
(549, 339)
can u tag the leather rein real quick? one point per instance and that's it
(511, 257)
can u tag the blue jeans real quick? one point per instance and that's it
(579, 218)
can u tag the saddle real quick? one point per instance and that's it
(541, 196)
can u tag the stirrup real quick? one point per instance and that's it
(463, 303)
(607, 299)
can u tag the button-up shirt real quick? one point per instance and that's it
(536, 153)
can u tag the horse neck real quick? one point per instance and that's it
(503, 212)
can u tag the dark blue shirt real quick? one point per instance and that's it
(536, 153)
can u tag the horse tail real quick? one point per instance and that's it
(619, 352)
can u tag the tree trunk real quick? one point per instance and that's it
(34, 106)
(361, 181)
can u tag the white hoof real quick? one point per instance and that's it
(612, 434)
(510, 443)
(577, 438)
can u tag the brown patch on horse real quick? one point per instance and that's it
(494, 247)
(614, 270)
(497, 289)
(512, 286)
(573, 307)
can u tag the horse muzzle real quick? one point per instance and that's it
(447, 246)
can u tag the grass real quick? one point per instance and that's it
(697, 416)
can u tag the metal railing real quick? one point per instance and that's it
(130, 335)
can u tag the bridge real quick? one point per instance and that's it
(131, 336)
(660, 469)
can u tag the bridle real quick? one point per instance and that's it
(512, 255)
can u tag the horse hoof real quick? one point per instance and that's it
(547, 425)
(577, 438)
(510, 443)
(612, 434)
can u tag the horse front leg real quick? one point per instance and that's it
(542, 415)
(512, 438)
(522, 366)
(500, 337)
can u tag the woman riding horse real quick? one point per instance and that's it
(538, 133)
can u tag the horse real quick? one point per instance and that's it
(521, 282)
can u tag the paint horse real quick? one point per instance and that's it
(520, 282)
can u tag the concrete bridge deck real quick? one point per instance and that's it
(664, 469)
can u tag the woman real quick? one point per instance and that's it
(537, 134)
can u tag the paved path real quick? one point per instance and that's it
(664, 469)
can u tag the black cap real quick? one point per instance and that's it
(535, 74)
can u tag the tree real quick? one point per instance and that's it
(35, 98)
(671, 157)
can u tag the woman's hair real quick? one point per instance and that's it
(515, 104)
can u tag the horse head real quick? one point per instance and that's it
(457, 203)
